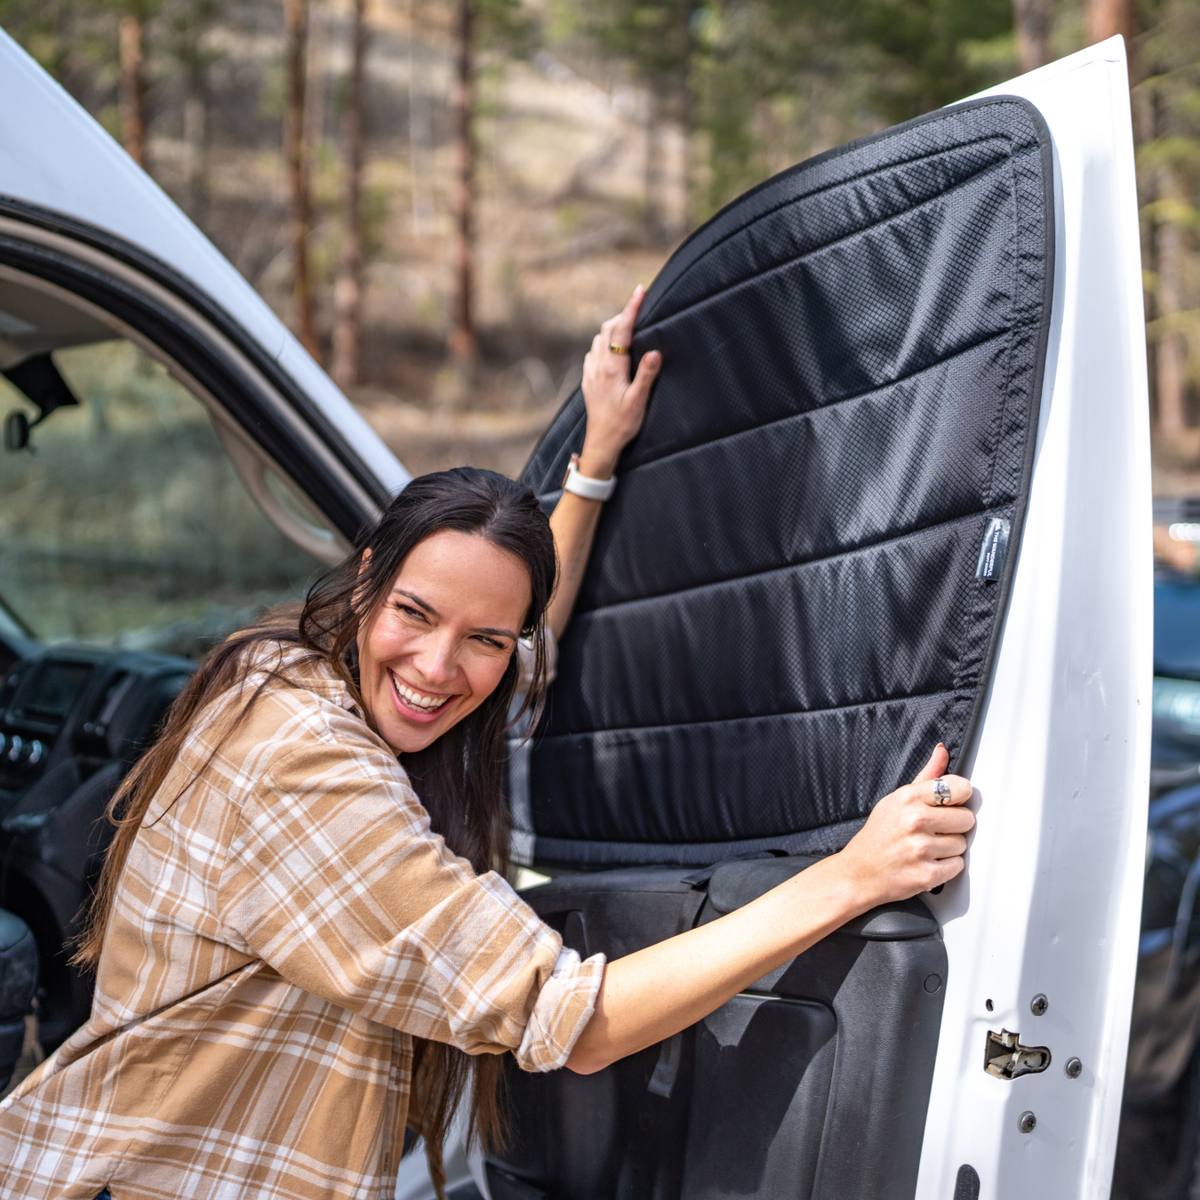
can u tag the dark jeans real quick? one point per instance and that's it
(105, 1195)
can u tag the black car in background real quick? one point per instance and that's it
(1158, 1156)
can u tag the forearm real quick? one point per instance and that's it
(573, 524)
(654, 993)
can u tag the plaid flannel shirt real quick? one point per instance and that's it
(281, 932)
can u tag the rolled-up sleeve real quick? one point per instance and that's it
(337, 882)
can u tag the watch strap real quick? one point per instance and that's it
(587, 487)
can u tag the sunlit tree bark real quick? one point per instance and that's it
(1031, 23)
(1169, 360)
(133, 82)
(463, 344)
(1106, 18)
(295, 13)
(347, 331)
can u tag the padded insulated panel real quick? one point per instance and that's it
(768, 1096)
(787, 607)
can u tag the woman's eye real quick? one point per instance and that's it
(409, 611)
(491, 643)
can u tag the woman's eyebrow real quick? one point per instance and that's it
(508, 633)
(433, 612)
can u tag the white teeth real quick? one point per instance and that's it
(428, 703)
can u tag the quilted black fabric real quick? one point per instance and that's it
(782, 614)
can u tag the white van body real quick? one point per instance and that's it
(1049, 905)
(1051, 900)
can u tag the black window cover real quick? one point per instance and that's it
(787, 605)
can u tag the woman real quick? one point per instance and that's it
(303, 937)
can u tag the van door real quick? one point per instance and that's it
(893, 488)
(173, 464)
(78, 213)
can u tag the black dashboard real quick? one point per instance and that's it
(73, 720)
(83, 704)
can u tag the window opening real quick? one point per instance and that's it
(124, 523)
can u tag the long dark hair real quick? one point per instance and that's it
(458, 777)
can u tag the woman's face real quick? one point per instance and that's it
(438, 644)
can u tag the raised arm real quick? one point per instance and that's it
(616, 408)
(912, 841)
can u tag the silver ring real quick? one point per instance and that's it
(941, 789)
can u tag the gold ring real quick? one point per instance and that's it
(618, 349)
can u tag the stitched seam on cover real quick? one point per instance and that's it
(580, 423)
(804, 254)
(807, 562)
(1006, 393)
(895, 381)
(832, 404)
(769, 716)
(568, 438)
(714, 842)
(997, 136)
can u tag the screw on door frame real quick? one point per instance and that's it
(1026, 1122)
(1038, 1005)
(1073, 1067)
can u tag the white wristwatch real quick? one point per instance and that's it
(585, 486)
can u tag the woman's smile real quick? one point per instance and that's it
(415, 703)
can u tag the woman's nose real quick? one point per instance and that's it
(437, 660)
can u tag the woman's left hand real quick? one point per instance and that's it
(616, 406)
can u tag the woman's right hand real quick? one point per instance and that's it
(616, 405)
(911, 842)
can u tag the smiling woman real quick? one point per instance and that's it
(430, 655)
(303, 937)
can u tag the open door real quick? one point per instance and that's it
(193, 466)
(892, 489)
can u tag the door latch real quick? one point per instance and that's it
(1006, 1058)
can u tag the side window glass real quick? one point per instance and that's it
(124, 522)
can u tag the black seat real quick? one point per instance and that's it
(796, 592)
(18, 982)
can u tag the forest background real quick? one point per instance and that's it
(443, 198)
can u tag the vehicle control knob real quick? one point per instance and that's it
(36, 753)
(16, 744)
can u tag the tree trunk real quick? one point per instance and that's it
(295, 17)
(347, 330)
(463, 345)
(419, 135)
(133, 85)
(195, 134)
(1031, 22)
(652, 180)
(1106, 18)
(687, 12)
(1169, 354)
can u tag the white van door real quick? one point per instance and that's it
(77, 214)
(893, 488)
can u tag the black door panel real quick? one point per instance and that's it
(813, 1083)
(785, 608)
(795, 593)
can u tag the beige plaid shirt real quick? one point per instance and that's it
(280, 934)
